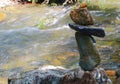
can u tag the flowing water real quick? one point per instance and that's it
(24, 45)
(33, 36)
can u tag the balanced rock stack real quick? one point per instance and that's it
(89, 55)
(81, 15)
(89, 73)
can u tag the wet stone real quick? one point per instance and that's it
(81, 16)
(58, 75)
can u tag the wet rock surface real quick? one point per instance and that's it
(81, 16)
(59, 75)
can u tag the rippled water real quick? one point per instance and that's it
(24, 46)
(32, 36)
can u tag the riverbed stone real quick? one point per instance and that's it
(59, 75)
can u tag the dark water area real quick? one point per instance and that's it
(35, 36)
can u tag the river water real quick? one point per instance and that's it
(33, 36)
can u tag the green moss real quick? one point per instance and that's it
(42, 24)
